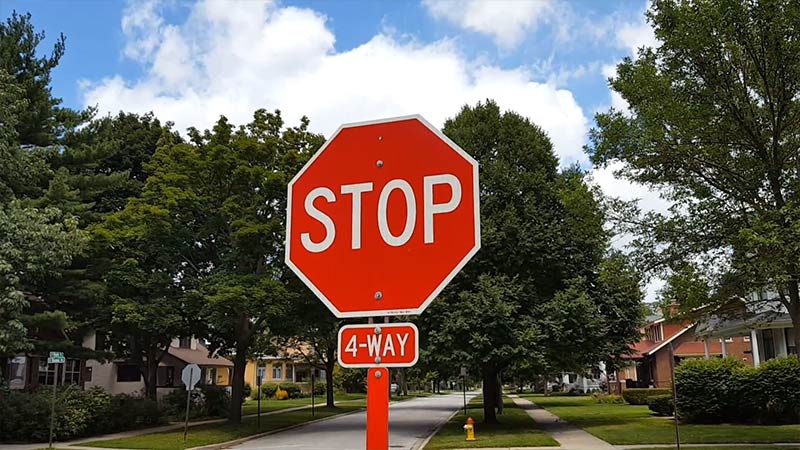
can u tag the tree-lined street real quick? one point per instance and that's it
(411, 423)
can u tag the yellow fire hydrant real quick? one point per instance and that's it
(470, 429)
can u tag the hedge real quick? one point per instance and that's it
(292, 389)
(639, 396)
(26, 414)
(661, 405)
(725, 390)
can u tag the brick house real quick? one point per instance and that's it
(649, 363)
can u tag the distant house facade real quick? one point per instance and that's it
(289, 366)
(766, 325)
(649, 360)
(118, 376)
(123, 377)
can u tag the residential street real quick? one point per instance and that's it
(410, 422)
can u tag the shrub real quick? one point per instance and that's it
(724, 390)
(26, 414)
(216, 400)
(280, 394)
(320, 388)
(269, 390)
(639, 396)
(247, 391)
(173, 404)
(602, 397)
(774, 391)
(292, 389)
(661, 404)
(705, 388)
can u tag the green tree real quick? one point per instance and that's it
(42, 121)
(33, 243)
(213, 214)
(309, 327)
(713, 125)
(534, 292)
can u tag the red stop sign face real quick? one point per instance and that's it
(383, 217)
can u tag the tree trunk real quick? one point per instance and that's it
(237, 386)
(499, 395)
(489, 394)
(403, 382)
(329, 400)
(149, 370)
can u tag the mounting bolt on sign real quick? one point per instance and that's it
(379, 220)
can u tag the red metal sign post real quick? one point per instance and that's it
(380, 219)
(377, 409)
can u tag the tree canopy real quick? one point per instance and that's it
(714, 124)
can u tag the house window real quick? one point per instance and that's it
(788, 334)
(17, 368)
(747, 338)
(769, 344)
(73, 371)
(185, 342)
(48, 373)
(654, 333)
(128, 373)
(277, 371)
(289, 371)
(210, 375)
(165, 376)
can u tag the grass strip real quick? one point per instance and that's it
(515, 429)
(221, 432)
(630, 424)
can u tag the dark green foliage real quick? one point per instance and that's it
(26, 415)
(269, 389)
(539, 295)
(247, 391)
(173, 404)
(320, 388)
(640, 396)
(216, 400)
(713, 125)
(662, 405)
(725, 390)
(350, 380)
(293, 389)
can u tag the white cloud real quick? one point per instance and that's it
(637, 34)
(507, 21)
(234, 58)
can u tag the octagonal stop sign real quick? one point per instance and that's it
(382, 217)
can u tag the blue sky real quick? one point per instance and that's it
(346, 61)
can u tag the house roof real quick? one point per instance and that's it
(646, 348)
(718, 326)
(200, 356)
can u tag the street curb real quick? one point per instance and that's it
(436, 430)
(222, 445)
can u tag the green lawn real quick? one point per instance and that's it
(270, 404)
(223, 432)
(516, 429)
(627, 424)
(737, 447)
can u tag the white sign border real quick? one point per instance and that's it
(445, 281)
(381, 326)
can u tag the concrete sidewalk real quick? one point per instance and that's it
(569, 436)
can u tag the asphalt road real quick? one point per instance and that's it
(410, 423)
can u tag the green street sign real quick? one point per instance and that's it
(56, 358)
